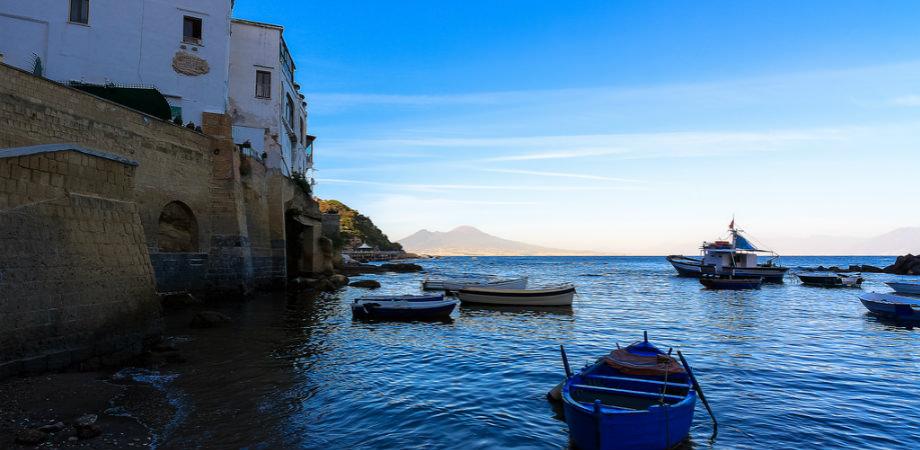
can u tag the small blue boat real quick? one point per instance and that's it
(634, 398)
(892, 306)
(403, 307)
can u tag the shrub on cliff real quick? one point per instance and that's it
(357, 226)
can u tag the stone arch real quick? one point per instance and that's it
(178, 229)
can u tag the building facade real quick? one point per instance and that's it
(179, 47)
(268, 111)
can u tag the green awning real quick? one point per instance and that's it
(144, 99)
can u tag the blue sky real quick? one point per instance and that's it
(628, 127)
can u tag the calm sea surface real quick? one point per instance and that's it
(786, 366)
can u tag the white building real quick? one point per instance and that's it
(180, 47)
(268, 112)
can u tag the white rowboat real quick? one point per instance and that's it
(549, 296)
(456, 284)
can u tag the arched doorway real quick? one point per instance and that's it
(178, 229)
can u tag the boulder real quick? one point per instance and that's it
(325, 285)
(209, 319)
(86, 426)
(338, 280)
(30, 437)
(367, 284)
(905, 265)
(52, 427)
(401, 267)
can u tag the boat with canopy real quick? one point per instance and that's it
(736, 256)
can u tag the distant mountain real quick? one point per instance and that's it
(897, 242)
(466, 240)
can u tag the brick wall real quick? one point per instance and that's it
(75, 279)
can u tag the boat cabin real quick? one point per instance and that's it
(729, 257)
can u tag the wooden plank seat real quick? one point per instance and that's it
(660, 384)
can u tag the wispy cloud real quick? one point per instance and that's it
(476, 187)
(581, 176)
(906, 100)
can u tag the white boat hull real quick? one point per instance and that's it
(456, 285)
(905, 288)
(518, 297)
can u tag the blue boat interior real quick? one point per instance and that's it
(620, 391)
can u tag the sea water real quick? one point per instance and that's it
(786, 366)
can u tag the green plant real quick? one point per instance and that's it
(301, 181)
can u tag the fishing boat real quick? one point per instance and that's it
(830, 280)
(637, 397)
(736, 257)
(892, 306)
(731, 283)
(455, 284)
(548, 296)
(904, 288)
(403, 307)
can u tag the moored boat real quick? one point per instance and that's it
(638, 397)
(904, 288)
(548, 296)
(455, 284)
(892, 306)
(830, 279)
(731, 283)
(736, 257)
(403, 307)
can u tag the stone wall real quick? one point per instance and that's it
(124, 207)
(75, 279)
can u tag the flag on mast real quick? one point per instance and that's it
(731, 226)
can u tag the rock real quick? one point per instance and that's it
(179, 301)
(367, 284)
(401, 267)
(338, 280)
(30, 437)
(88, 432)
(209, 319)
(52, 427)
(85, 420)
(905, 265)
(73, 439)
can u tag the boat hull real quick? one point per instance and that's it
(634, 430)
(403, 308)
(551, 297)
(905, 288)
(892, 306)
(687, 267)
(731, 284)
(830, 280)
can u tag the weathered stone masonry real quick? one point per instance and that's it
(123, 206)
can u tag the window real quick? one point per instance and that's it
(79, 11)
(191, 30)
(289, 113)
(175, 112)
(263, 84)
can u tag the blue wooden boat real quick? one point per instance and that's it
(634, 398)
(403, 307)
(892, 306)
(731, 283)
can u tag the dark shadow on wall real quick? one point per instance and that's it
(178, 229)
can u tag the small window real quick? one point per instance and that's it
(79, 11)
(263, 84)
(191, 30)
(175, 112)
(289, 113)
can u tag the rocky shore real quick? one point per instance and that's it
(905, 265)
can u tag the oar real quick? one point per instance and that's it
(699, 390)
(565, 362)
